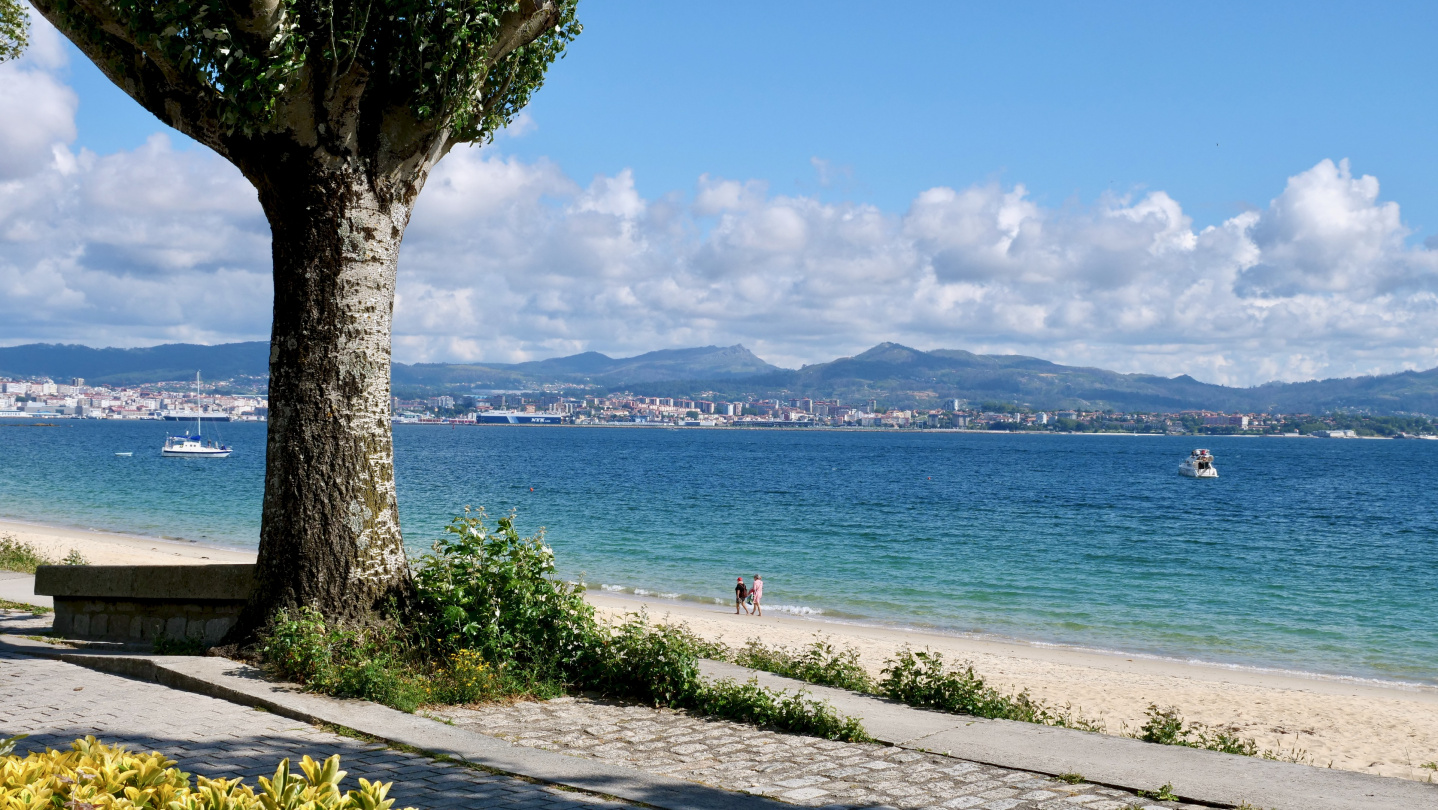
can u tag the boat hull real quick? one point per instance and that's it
(206, 453)
(1189, 471)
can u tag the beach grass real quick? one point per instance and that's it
(19, 556)
(819, 663)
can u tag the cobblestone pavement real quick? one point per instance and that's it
(55, 702)
(787, 767)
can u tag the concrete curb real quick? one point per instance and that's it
(1204, 777)
(240, 683)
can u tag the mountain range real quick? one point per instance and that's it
(895, 375)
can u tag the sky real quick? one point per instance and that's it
(1240, 192)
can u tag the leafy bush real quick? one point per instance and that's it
(922, 679)
(817, 663)
(16, 555)
(93, 774)
(494, 592)
(366, 663)
(1166, 727)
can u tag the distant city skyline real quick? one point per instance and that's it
(1237, 193)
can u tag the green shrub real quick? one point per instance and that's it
(817, 663)
(494, 592)
(16, 555)
(921, 679)
(1166, 727)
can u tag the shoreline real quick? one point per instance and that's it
(824, 617)
(102, 547)
(918, 637)
(1385, 728)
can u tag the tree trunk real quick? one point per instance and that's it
(330, 535)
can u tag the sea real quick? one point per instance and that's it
(1307, 555)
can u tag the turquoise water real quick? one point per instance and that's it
(1310, 555)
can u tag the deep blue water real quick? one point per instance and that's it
(1308, 554)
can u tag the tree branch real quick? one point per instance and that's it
(170, 92)
(522, 26)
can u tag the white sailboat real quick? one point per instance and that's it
(195, 446)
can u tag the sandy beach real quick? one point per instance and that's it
(1328, 722)
(113, 548)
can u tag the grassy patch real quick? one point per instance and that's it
(38, 610)
(922, 679)
(494, 623)
(19, 556)
(1071, 778)
(1166, 727)
(819, 663)
(1163, 794)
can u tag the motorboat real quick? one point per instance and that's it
(1199, 464)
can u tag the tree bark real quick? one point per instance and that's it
(330, 534)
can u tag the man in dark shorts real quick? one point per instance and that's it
(740, 592)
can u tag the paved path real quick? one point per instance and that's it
(55, 702)
(16, 587)
(787, 767)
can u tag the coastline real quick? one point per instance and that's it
(100, 547)
(1369, 726)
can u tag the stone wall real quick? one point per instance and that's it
(145, 603)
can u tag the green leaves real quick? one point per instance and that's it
(14, 29)
(469, 65)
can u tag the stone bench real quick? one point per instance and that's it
(145, 603)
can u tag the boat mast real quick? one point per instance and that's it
(197, 404)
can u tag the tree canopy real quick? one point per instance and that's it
(384, 80)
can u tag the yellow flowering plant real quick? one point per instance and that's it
(95, 776)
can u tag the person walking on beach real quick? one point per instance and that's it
(740, 592)
(757, 592)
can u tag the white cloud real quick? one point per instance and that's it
(509, 260)
(37, 108)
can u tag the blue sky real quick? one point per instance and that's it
(1241, 192)
(1215, 103)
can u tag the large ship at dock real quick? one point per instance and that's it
(519, 418)
(195, 416)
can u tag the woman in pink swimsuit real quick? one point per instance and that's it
(758, 591)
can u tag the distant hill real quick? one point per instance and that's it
(896, 375)
(708, 362)
(902, 376)
(172, 361)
